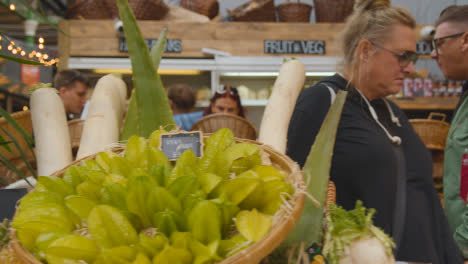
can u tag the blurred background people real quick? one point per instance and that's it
(226, 100)
(182, 100)
(73, 87)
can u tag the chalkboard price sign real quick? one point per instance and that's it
(174, 144)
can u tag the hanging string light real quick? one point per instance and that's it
(45, 56)
(12, 7)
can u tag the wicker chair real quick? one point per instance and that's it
(241, 127)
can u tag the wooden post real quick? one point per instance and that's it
(64, 44)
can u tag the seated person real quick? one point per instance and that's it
(225, 100)
(182, 101)
(72, 87)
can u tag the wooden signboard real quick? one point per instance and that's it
(98, 38)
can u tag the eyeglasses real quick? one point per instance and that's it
(436, 44)
(222, 89)
(403, 58)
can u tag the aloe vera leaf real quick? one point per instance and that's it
(309, 229)
(5, 143)
(158, 49)
(21, 152)
(131, 119)
(151, 100)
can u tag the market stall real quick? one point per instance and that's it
(139, 190)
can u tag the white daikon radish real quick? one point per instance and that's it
(121, 87)
(102, 125)
(51, 135)
(275, 121)
(352, 238)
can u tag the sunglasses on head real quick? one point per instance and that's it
(404, 58)
(222, 89)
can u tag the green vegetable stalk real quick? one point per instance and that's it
(149, 104)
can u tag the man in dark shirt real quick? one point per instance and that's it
(73, 87)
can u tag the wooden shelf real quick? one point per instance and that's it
(427, 103)
(258, 102)
(413, 103)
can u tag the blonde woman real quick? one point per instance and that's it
(378, 158)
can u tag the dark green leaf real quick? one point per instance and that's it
(22, 61)
(21, 152)
(12, 167)
(5, 143)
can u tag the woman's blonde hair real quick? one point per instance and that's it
(372, 20)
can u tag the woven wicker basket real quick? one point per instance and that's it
(75, 127)
(89, 9)
(255, 10)
(433, 132)
(294, 12)
(23, 119)
(241, 127)
(438, 164)
(209, 8)
(285, 219)
(143, 9)
(334, 11)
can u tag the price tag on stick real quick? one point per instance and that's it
(174, 144)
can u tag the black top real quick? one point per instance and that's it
(364, 167)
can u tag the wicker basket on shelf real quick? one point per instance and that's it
(433, 132)
(89, 9)
(241, 127)
(254, 10)
(209, 8)
(143, 9)
(332, 11)
(285, 219)
(294, 12)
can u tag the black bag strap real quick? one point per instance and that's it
(399, 215)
